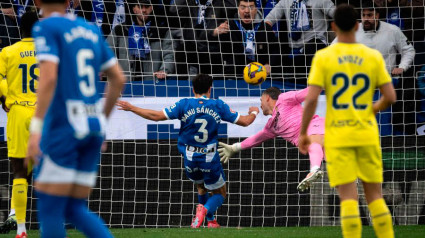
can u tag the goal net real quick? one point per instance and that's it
(141, 181)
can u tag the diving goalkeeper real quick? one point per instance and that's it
(286, 111)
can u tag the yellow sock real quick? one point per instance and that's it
(381, 219)
(12, 203)
(350, 219)
(19, 199)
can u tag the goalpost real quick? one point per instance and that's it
(141, 181)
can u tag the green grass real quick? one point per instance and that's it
(289, 232)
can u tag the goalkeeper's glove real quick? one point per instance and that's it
(226, 151)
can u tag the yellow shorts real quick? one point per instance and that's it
(18, 122)
(346, 164)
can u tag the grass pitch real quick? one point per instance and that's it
(289, 232)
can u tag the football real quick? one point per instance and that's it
(254, 73)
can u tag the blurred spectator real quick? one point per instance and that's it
(198, 19)
(10, 16)
(105, 14)
(246, 39)
(144, 47)
(387, 39)
(264, 6)
(307, 24)
(390, 41)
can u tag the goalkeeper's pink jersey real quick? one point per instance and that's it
(286, 121)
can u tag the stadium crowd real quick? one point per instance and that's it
(155, 39)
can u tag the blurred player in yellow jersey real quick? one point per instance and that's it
(349, 73)
(18, 65)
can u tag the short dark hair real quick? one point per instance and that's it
(369, 5)
(273, 92)
(53, 1)
(27, 22)
(202, 83)
(345, 17)
(239, 1)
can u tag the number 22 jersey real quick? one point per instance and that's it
(349, 74)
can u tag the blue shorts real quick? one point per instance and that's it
(210, 174)
(72, 161)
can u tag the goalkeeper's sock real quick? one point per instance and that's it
(89, 223)
(51, 215)
(350, 219)
(202, 199)
(381, 219)
(315, 152)
(214, 202)
(19, 198)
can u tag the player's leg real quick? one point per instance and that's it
(315, 153)
(19, 193)
(381, 215)
(195, 175)
(342, 172)
(213, 204)
(215, 182)
(18, 134)
(202, 194)
(370, 162)
(77, 211)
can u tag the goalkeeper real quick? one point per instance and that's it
(286, 111)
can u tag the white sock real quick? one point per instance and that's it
(21, 228)
(314, 168)
(12, 212)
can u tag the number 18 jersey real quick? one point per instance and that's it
(349, 74)
(18, 65)
(81, 53)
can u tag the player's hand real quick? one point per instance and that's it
(227, 151)
(125, 106)
(33, 149)
(253, 109)
(303, 143)
(160, 75)
(268, 69)
(397, 71)
(223, 28)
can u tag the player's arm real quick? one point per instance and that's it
(116, 81)
(248, 119)
(388, 97)
(46, 87)
(227, 151)
(310, 105)
(145, 113)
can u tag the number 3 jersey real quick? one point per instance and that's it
(81, 53)
(19, 66)
(200, 120)
(349, 74)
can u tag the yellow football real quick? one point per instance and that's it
(254, 73)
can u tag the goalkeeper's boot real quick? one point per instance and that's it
(201, 212)
(22, 235)
(213, 224)
(309, 179)
(9, 224)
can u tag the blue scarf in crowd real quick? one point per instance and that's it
(20, 9)
(249, 39)
(138, 42)
(119, 16)
(201, 11)
(300, 19)
(98, 11)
